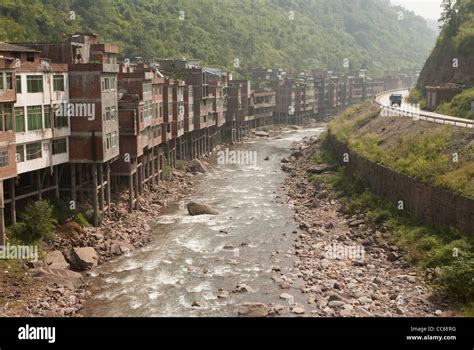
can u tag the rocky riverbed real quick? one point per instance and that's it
(56, 286)
(349, 267)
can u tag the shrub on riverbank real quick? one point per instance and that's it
(36, 223)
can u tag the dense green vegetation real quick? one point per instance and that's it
(459, 106)
(456, 41)
(36, 223)
(445, 256)
(294, 34)
(438, 154)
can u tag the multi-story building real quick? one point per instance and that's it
(218, 81)
(194, 76)
(35, 122)
(239, 109)
(264, 103)
(93, 98)
(7, 130)
(140, 122)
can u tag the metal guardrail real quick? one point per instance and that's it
(419, 115)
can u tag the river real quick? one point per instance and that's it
(191, 258)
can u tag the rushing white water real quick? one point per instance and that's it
(191, 258)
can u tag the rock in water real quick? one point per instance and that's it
(196, 166)
(201, 209)
(253, 310)
(82, 259)
(261, 133)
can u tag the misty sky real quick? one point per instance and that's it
(426, 8)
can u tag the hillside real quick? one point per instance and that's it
(456, 41)
(294, 34)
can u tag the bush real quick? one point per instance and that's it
(61, 211)
(37, 223)
(181, 164)
(458, 278)
(81, 220)
(167, 173)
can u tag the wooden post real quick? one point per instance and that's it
(38, 184)
(13, 202)
(81, 182)
(101, 188)
(130, 192)
(73, 184)
(153, 167)
(56, 181)
(94, 194)
(137, 186)
(107, 176)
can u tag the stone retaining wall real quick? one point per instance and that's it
(430, 205)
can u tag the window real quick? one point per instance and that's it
(147, 87)
(148, 109)
(34, 115)
(30, 56)
(34, 83)
(161, 110)
(113, 113)
(8, 115)
(111, 140)
(18, 84)
(33, 151)
(3, 158)
(109, 84)
(157, 132)
(1, 81)
(59, 146)
(9, 81)
(58, 82)
(107, 114)
(19, 119)
(60, 121)
(20, 153)
(47, 117)
(114, 139)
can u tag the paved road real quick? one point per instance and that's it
(409, 110)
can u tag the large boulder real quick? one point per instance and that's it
(82, 259)
(63, 278)
(201, 209)
(56, 260)
(253, 310)
(196, 166)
